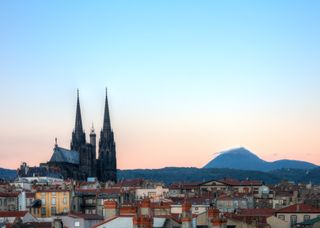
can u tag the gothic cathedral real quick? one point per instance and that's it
(80, 161)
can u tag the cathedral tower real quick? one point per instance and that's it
(86, 151)
(78, 135)
(107, 168)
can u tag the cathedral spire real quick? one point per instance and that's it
(78, 136)
(107, 161)
(78, 124)
(106, 119)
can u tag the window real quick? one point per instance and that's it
(53, 210)
(151, 194)
(65, 200)
(43, 211)
(306, 217)
(281, 217)
(293, 219)
(76, 223)
(0, 202)
(43, 202)
(53, 201)
(53, 194)
(65, 210)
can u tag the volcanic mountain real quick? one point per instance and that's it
(243, 159)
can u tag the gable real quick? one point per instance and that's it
(213, 183)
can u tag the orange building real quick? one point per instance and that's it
(53, 202)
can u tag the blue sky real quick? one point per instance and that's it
(185, 78)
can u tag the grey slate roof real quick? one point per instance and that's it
(64, 155)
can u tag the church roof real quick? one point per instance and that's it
(64, 155)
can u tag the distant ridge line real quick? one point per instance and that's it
(243, 159)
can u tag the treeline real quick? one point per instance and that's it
(173, 175)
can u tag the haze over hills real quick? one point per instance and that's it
(237, 163)
(8, 174)
(243, 159)
(179, 174)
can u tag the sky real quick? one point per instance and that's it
(185, 79)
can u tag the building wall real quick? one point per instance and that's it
(8, 203)
(73, 222)
(22, 185)
(155, 194)
(196, 209)
(300, 216)
(214, 186)
(52, 202)
(125, 222)
(240, 224)
(274, 222)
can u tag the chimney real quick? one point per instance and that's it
(142, 221)
(145, 208)
(144, 216)
(111, 209)
(186, 217)
(214, 218)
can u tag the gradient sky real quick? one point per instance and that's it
(186, 79)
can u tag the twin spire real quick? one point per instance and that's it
(106, 120)
(78, 124)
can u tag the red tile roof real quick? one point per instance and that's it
(261, 212)
(234, 182)
(110, 190)
(9, 194)
(299, 208)
(191, 185)
(14, 214)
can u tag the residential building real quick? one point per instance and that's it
(9, 201)
(297, 213)
(52, 202)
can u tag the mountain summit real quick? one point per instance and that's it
(241, 158)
